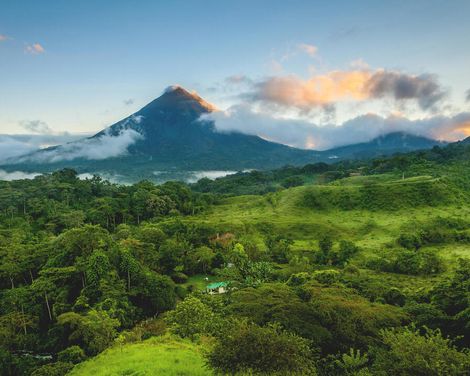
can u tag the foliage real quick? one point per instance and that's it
(262, 351)
(407, 352)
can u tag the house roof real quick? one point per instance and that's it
(216, 285)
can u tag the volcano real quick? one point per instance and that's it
(172, 133)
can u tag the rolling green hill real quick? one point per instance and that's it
(155, 356)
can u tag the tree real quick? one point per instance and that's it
(191, 318)
(251, 349)
(95, 330)
(325, 244)
(407, 352)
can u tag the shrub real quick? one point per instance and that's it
(326, 277)
(407, 352)
(252, 349)
(72, 354)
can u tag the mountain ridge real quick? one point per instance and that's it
(169, 134)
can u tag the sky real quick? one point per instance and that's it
(311, 74)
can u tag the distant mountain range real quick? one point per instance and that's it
(167, 137)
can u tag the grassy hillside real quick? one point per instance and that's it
(155, 356)
(372, 215)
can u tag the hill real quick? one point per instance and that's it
(155, 356)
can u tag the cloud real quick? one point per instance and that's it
(34, 49)
(320, 90)
(36, 126)
(17, 175)
(309, 49)
(303, 134)
(400, 86)
(129, 101)
(11, 147)
(238, 79)
(14, 146)
(350, 85)
(93, 148)
(467, 96)
(3, 38)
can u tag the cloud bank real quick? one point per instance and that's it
(303, 134)
(17, 175)
(351, 85)
(102, 147)
(13, 146)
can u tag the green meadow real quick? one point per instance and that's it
(155, 356)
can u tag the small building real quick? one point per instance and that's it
(217, 288)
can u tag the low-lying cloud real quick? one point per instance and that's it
(17, 175)
(102, 147)
(14, 146)
(303, 134)
(351, 85)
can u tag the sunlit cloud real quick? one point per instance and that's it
(34, 49)
(3, 38)
(309, 49)
(349, 85)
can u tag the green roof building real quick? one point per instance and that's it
(217, 288)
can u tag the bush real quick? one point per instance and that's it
(298, 279)
(252, 349)
(53, 369)
(179, 277)
(72, 354)
(326, 277)
(407, 352)
(410, 241)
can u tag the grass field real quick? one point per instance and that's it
(200, 281)
(163, 356)
(283, 213)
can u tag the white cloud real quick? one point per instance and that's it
(14, 146)
(304, 134)
(34, 49)
(102, 147)
(17, 175)
(11, 147)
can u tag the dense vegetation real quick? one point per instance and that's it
(347, 269)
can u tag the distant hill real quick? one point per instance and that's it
(167, 138)
(391, 143)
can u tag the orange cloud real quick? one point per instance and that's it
(356, 85)
(34, 49)
(464, 128)
(316, 91)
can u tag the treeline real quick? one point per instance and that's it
(59, 201)
(435, 162)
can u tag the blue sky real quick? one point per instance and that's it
(79, 66)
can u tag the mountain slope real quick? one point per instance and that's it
(396, 142)
(171, 134)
